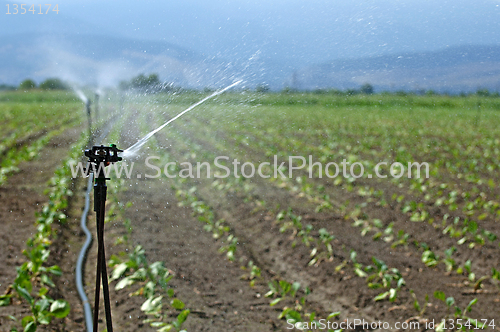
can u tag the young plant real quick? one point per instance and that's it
(429, 258)
(254, 273)
(419, 308)
(457, 314)
(382, 277)
(282, 290)
(153, 280)
(43, 308)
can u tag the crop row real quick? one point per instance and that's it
(289, 294)
(414, 210)
(33, 282)
(432, 191)
(133, 269)
(14, 156)
(319, 242)
(402, 237)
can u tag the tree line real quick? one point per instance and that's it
(152, 84)
(141, 83)
(29, 84)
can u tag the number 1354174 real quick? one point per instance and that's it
(16, 9)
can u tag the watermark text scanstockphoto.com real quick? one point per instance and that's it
(362, 324)
(222, 167)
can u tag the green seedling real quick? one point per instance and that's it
(458, 313)
(254, 273)
(416, 305)
(429, 258)
(382, 277)
(448, 261)
(153, 280)
(284, 291)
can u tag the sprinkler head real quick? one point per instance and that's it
(102, 155)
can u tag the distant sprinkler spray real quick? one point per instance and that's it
(96, 106)
(122, 101)
(87, 102)
(132, 151)
(89, 116)
(80, 95)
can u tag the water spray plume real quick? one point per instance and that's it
(131, 151)
(81, 95)
(99, 92)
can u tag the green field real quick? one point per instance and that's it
(312, 247)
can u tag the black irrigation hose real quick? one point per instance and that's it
(87, 310)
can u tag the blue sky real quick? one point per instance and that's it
(273, 37)
(309, 31)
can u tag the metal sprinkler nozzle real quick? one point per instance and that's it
(103, 154)
(100, 157)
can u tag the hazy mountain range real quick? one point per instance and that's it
(455, 69)
(104, 61)
(307, 44)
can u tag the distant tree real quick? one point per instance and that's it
(483, 92)
(288, 89)
(366, 89)
(351, 92)
(53, 84)
(139, 82)
(27, 84)
(143, 83)
(320, 91)
(263, 88)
